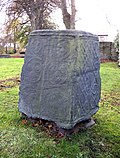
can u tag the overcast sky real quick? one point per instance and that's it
(95, 16)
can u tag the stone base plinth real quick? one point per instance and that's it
(60, 79)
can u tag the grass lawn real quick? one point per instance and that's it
(20, 140)
(10, 67)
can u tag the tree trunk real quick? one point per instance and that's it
(36, 19)
(72, 17)
(36, 23)
(68, 19)
(66, 15)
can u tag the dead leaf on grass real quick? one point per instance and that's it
(24, 122)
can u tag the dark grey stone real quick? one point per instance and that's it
(4, 56)
(60, 79)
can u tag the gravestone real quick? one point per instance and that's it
(60, 79)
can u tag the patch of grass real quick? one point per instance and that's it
(20, 140)
(110, 76)
(9, 83)
(10, 67)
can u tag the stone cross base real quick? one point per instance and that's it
(60, 79)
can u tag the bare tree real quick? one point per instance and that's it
(37, 11)
(68, 18)
(73, 13)
(25, 16)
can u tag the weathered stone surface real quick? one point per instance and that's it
(60, 79)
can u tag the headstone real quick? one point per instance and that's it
(60, 79)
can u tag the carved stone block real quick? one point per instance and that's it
(60, 79)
